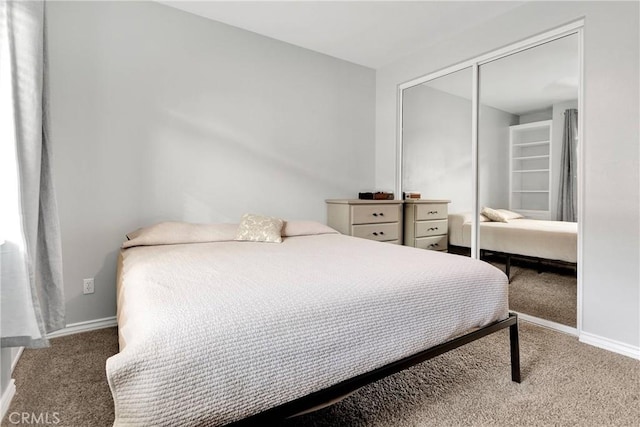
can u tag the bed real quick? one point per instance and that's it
(539, 239)
(214, 331)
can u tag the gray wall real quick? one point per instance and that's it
(493, 160)
(611, 217)
(162, 115)
(437, 149)
(5, 369)
(436, 130)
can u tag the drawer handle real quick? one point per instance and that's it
(433, 245)
(376, 233)
(432, 229)
(433, 212)
(376, 214)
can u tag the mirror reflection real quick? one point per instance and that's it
(436, 140)
(528, 176)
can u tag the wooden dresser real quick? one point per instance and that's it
(426, 224)
(379, 220)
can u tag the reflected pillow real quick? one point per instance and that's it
(467, 217)
(509, 215)
(258, 228)
(494, 215)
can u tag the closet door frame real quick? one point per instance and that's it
(575, 27)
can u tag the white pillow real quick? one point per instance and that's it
(258, 228)
(173, 233)
(494, 215)
(509, 215)
(467, 217)
(305, 228)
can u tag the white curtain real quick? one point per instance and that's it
(31, 297)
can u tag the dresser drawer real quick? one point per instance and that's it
(431, 228)
(382, 232)
(371, 214)
(437, 243)
(431, 211)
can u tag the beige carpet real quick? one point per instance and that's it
(565, 383)
(67, 378)
(550, 295)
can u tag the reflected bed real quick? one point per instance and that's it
(553, 240)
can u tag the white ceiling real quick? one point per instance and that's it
(369, 33)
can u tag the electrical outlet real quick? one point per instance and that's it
(88, 286)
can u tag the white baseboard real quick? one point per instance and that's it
(548, 324)
(611, 345)
(7, 396)
(15, 359)
(90, 325)
(585, 337)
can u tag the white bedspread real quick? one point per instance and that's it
(554, 240)
(215, 332)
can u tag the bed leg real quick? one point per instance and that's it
(507, 269)
(515, 352)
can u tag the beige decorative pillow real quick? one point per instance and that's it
(258, 228)
(493, 215)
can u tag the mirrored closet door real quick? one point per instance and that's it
(527, 146)
(498, 137)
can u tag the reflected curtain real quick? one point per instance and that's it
(568, 194)
(32, 301)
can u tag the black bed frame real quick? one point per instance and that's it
(331, 394)
(461, 250)
(538, 261)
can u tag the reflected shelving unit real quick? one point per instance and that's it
(530, 169)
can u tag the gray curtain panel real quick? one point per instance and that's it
(568, 194)
(32, 291)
